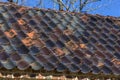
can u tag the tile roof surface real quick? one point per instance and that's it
(58, 40)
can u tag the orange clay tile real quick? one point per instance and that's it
(72, 45)
(22, 9)
(21, 22)
(32, 35)
(116, 61)
(67, 32)
(11, 33)
(100, 64)
(84, 18)
(83, 46)
(27, 41)
(117, 22)
(58, 51)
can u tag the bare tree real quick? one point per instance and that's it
(70, 5)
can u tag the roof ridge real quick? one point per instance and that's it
(63, 11)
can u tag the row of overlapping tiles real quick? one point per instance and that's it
(49, 39)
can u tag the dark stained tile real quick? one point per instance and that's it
(117, 48)
(12, 9)
(106, 70)
(46, 51)
(46, 18)
(54, 37)
(87, 61)
(111, 42)
(28, 58)
(22, 65)
(27, 16)
(43, 23)
(53, 59)
(18, 15)
(74, 38)
(48, 30)
(1, 33)
(48, 66)
(86, 34)
(99, 54)
(108, 55)
(113, 37)
(61, 67)
(79, 53)
(43, 36)
(50, 43)
(32, 22)
(12, 20)
(76, 60)
(117, 55)
(115, 70)
(1, 65)
(104, 35)
(102, 41)
(8, 64)
(108, 62)
(16, 27)
(65, 60)
(4, 40)
(95, 70)
(73, 68)
(84, 39)
(22, 49)
(41, 59)
(60, 44)
(3, 56)
(16, 41)
(110, 48)
(84, 68)
(52, 24)
(93, 40)
(15, 57)
(34, 50)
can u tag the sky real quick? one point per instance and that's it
(111, 8)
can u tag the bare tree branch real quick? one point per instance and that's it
(98, 6)
(39, 3)
(61, 6)
(92, 1)
(10, 0)
(82, 5)
(68, 5)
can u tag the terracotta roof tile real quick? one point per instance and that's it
(58, 41)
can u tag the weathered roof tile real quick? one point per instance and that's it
(58, 41)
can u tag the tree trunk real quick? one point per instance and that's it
(10, 0)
